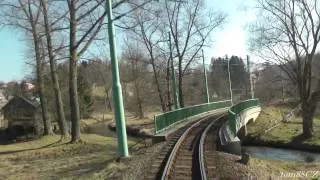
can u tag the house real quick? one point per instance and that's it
(23, 116)
(3, 85)
(3, 101)
(28, 87)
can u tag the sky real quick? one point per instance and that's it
(229, 40)
(232, 38)
(12, 63)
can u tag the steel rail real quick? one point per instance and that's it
(173, 153)
(201, 148)
(171, 160)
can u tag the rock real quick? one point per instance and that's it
(309, 159)
(244, 158)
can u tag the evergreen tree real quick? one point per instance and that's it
(85, 93)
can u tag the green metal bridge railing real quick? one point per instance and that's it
(237, 109)
(169, 119)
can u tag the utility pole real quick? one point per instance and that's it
(251, 83)
(174, 86)
(116, 87)
(230, 86)
(207, 97)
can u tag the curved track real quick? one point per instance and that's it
(207, 147)
(189, 158)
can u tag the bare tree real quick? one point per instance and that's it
(86, 18)
(273, 84)
(147, 31)
(168, 76)
(287, 32)
(99, 72)
(55, 80)
(190, 26)
(138, 65)
(82, 31)
(25, 15)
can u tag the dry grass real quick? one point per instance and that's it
(47, 158)
(99, 92)
(145, 124)
(101, 115)
(268, 115)
(229, 168)
(148, 118)
(285, 132)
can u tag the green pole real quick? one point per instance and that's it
(116, 87)
(250, 79)
(174, 86)
(207, 97)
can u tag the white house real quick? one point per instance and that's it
(3, 101)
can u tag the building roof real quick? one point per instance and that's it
(3, 100)
(33, 103)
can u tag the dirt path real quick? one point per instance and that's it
(101, 129)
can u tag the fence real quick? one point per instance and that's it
(169, 119)
(236, 109)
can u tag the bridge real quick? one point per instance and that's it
(193, 133)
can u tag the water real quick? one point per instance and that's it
(281, 154)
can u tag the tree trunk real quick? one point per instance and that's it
(107, 100)
(141, 114)
(307, 119)
(181, 92)
(168, 87)
(139, 102)
(162, 103)
(134, 69)
(73, 88)
(74, 104)
(125, 94)
(246, 86)
(43, 102)
(60, 109)
(181, 100)
(54, 76)
(39, 64)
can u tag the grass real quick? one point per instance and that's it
(145, 124)
(47, 158)
(136, 121)
(267, 116)
(276, 168)
(229, 168)
(99, 92)
(285, 132)
(100, 115)
(131, 119)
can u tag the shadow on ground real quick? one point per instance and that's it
(54, 144)
(92, 167)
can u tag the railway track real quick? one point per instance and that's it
(208, 143)
(187, 155)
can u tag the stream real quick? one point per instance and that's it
(281, 154)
